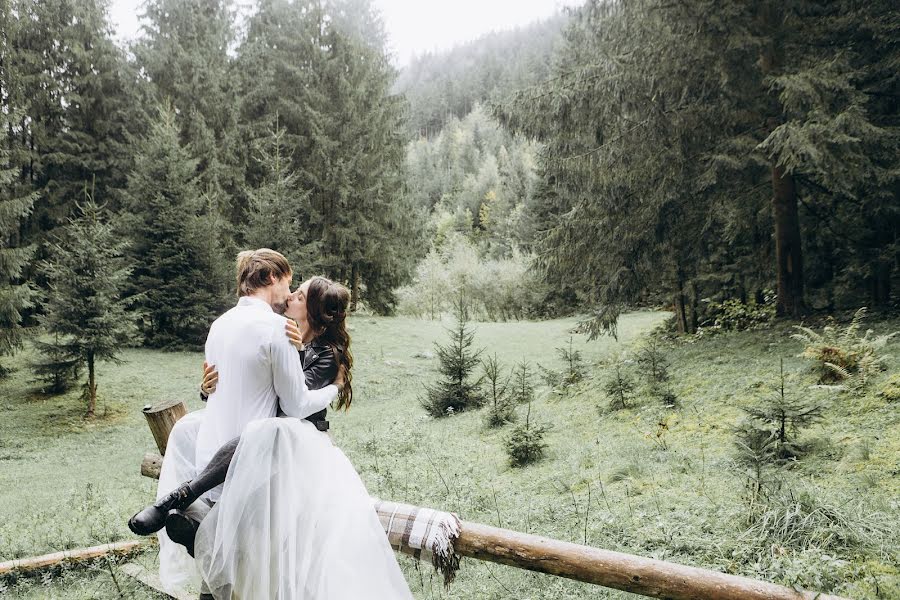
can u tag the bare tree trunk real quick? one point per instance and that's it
(693, 322)
(680, 314)
(788, 251)
(680, 320)
(92, 386)
(828, 251)
(881, 282)
(354, 287)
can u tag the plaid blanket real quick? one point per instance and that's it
(430, 534)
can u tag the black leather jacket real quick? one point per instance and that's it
(320, 369)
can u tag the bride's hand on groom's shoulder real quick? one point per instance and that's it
(293, 333)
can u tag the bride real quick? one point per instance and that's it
(293, 519)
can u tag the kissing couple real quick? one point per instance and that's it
(253, 496)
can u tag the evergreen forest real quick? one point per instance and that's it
(615, 155)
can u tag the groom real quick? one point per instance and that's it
(259, 368)
(259, 371)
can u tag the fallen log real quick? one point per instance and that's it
(626, 572)
(80, 555)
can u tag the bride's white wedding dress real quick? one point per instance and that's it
(294, 521)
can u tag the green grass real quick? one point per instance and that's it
(615, 480)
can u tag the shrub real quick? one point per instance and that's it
(498, 289)
(734, 315)
(526, 444)
(842, 353)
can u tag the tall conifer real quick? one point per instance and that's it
(278, 210)
(166, 221)
(85, 311)
(15, 294)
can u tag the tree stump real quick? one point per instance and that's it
(161, 418)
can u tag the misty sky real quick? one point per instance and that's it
(413, 26)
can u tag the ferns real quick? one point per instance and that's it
(844, 354)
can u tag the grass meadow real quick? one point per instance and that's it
(648, 480)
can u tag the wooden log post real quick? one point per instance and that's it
(161, 418)
(635, 574)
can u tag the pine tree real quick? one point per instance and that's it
(501, 409)
(33, 91)
(367, 220)
(100, 112)
(77, 100)
(15, 294)
(278, 210)
(575, 369)
(770, 434)
(619, 388)
(525, 444)
(184, 53)
(522, 389)
(278, 72)
(168, 228)
(87, 271)
(323, 68)
(455, 392)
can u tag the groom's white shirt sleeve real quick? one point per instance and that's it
(290, 384)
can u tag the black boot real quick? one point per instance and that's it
(182, 529)
(153, 518)
(207, 597)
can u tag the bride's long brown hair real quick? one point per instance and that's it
(327, 303)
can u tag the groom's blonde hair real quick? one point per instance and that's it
(256, 267)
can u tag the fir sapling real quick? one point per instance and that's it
(455, 391)
(500, 411)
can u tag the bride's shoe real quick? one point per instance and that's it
(182, 529)
(153, 518)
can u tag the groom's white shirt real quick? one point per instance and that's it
(258, 367)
